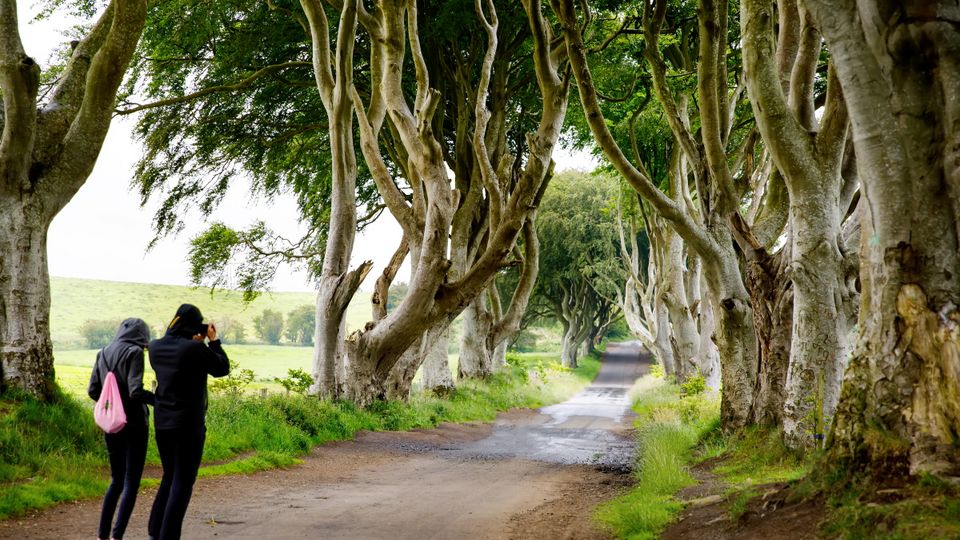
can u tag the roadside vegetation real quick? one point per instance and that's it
(53, 452)
(678, 428)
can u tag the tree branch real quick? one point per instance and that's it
(239, 85)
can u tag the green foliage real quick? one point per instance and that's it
(297, 381)
(656, 370)
(98, 334)
(234, 383)
(301, 325)
(269, 326)
(758, 456)
(231, 331)
(669, 426)
(580, 269)
(49, 453)
(694, 385)
(396, 294)
(741, 500)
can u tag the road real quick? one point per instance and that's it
(528, 475)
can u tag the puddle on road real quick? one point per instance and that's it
(582, 430)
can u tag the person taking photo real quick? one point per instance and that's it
(182, 360)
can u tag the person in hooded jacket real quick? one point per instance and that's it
(127, 448)
(182, 361)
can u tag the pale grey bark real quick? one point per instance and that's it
(433, 298)
(810, 164)
(334, 79)
(437, 377)
(712, 242)
(899, 410)
(47, 151)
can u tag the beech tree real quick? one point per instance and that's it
(706, 151)
(49, 145)
(809, 156)
(432, 298)
(899, 409)
(581, 270)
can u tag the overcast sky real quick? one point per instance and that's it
(103, 233)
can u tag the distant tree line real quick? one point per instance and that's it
(269, 326)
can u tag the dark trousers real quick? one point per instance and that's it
(127, 450)
(180, 453)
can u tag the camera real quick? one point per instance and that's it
(203, 329)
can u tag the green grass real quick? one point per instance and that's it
(758, 456)
(669, 427)
(74, 301)
(51, 453)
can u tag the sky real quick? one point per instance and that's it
(103, 233)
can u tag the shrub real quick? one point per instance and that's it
(297, 381)
(98, 334)
(234, 383)
(695, 384)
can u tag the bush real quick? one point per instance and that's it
(695, 384)
(234, 383)
(98, 334)
(269, 326)
(297, 381)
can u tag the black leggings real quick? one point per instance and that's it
(180, 452)
(127, 450)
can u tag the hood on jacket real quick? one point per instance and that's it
(187, 322)
(134, 331)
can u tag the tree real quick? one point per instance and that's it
(707, 151)
(581, 268)
(269, 326)
(231, 330)
(98, 334)
(49, 144)
(301, 325)
(435, 296)
(899, 409)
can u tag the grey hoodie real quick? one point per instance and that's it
(124, 357)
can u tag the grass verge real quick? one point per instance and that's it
(53, 452)
(669, 427)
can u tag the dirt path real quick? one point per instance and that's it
(529, 475)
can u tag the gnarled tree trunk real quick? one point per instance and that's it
(899, 408)
(47, 151)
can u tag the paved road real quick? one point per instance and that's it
(529, 475)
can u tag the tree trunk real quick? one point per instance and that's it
(708, 357)
(437, 377)
(819, 342)
(772, 296)
(735, 336)
(683, 338)
(663, 350)
(26, 358)
(899, 408)
(568, 347)
(475, 359)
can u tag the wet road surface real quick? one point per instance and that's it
(591, 428)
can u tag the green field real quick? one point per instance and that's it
(75, 301)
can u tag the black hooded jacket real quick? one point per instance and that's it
(182, 366)
(124, 357)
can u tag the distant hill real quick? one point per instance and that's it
(75, 301)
